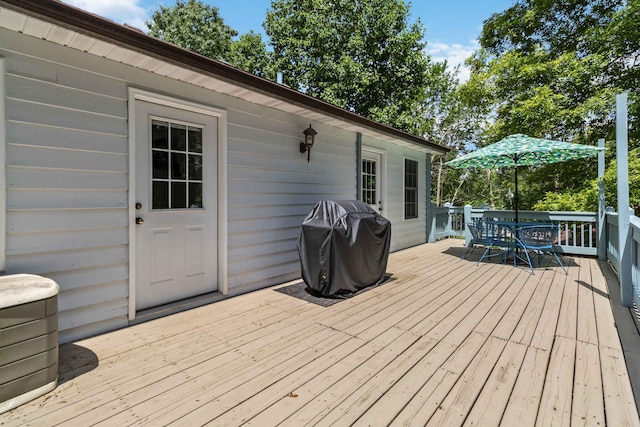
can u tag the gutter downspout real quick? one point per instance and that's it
(431, 214)
(358, 166)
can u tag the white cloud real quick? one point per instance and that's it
(455, 54)
(121, 11)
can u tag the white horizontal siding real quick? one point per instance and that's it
(272, 188)
(31, 112)
(64, 220)
(67, 180)
(39, 198)
(87, 278)
(23, 153)
(99, 294)
(53, 260)
(39, 177)
(37, 91)
(58, 137)
(250, 238)
(260, 223)
(260, 263)
(92, 319)
(67, 185)
(279, 272)
(29, 243)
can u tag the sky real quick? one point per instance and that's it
(452, 26)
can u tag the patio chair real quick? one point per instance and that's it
(487, 235)
(539, 239)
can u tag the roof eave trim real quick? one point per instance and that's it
(113, 32)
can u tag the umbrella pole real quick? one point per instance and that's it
(515, 198)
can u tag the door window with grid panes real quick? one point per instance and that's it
(176, 164)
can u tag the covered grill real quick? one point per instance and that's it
(343, 247)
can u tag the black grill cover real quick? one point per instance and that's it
(343, 247)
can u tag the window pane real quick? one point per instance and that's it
(195, 195)
(160, 198)
(159, 135)
(195, 167)
(160, 160)
(411, 181)
(371, 183)
(195, 140)
(409, 196)
(179, 137)
(178, 195)
(369, 196)
(410, 211)
(178, 166)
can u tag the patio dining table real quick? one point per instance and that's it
(508, 233)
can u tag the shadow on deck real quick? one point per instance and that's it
(448, 342)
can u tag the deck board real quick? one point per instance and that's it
(493, 398)
(587, 408)
(461, 398)
(524, 402)
(555, 403)
(445, 342)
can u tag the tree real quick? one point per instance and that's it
(560, 26)
(552, 69)
(195, 26)
(249, 53)
(587, 198)
(568, 57)
(361, 55)
(199, 27)
(447, 121)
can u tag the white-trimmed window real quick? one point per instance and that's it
(410, 189)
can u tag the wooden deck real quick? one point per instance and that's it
(445, 343)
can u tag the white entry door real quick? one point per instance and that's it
(373, 180)
(176, 204)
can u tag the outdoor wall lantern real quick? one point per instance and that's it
(309, 137)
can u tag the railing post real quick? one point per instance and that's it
(602, 218)
(624, 223)
(448, 228)
(430, 208)
(467, 220)
(431, 221)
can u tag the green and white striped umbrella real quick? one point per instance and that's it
(522, 150)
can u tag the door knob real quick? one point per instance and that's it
(139, 221)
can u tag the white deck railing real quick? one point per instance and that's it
(581, 233)
(578, 230)
(448, 222)
(578, 233)
(613, 251)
